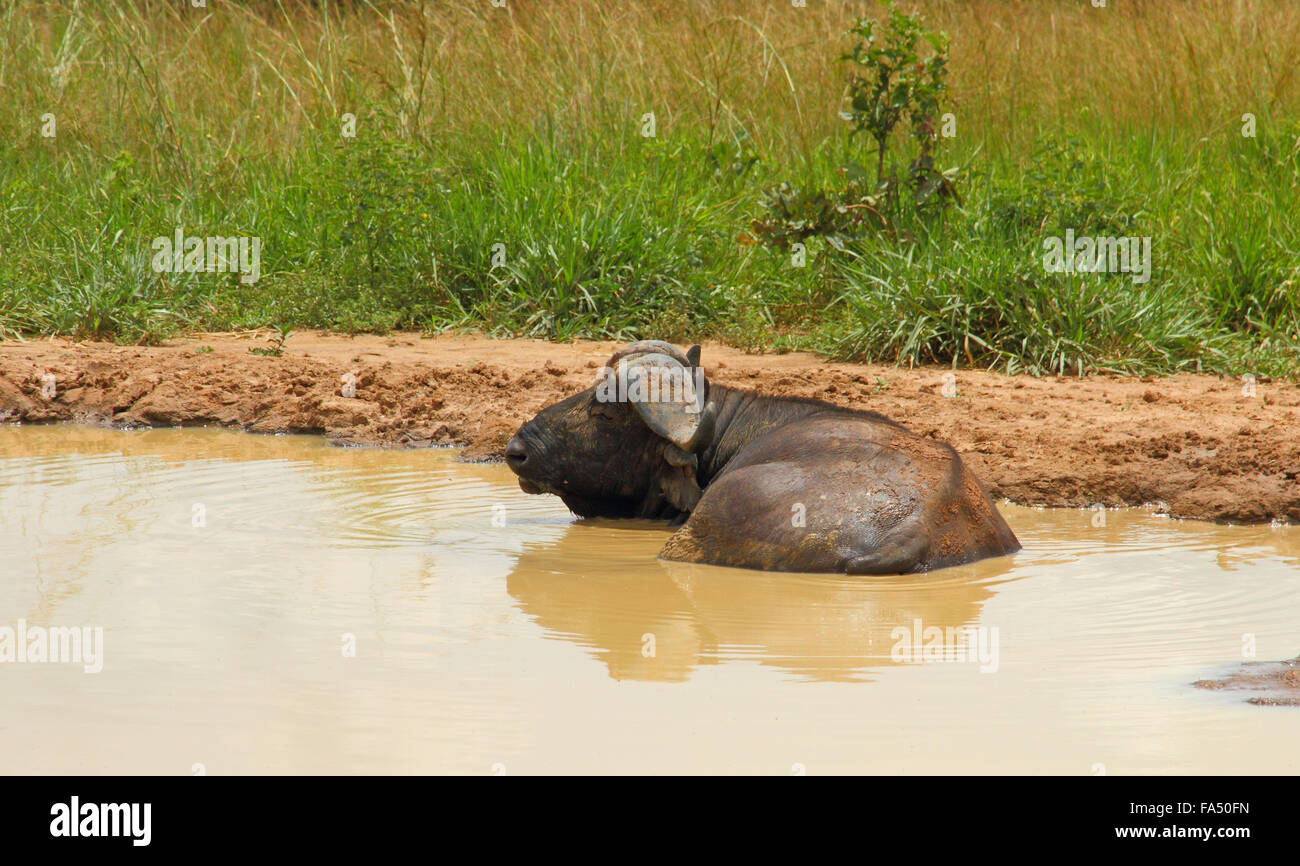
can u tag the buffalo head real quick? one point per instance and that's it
(625, 447)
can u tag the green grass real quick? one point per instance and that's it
(473, 132)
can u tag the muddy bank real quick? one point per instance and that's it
(1270, 684)
(1201, 446)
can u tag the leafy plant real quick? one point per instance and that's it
(891, 80)
(795, 215)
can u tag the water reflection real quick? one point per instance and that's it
(660, 620)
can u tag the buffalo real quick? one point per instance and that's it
(754, 481)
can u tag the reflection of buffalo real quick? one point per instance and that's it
(649, 619)
(781, 484)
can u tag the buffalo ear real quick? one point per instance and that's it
(658, 388)
(693, 355)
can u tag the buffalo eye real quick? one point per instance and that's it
(599, 409)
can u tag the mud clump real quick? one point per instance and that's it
(1269, 684)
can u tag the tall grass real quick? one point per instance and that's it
(522, 126)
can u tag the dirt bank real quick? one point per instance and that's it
(1202, 445)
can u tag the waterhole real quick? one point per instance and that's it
(278, 605)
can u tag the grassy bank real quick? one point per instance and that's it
(524, 127)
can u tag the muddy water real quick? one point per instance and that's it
(273, 604)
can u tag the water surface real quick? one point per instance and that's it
(233, 574)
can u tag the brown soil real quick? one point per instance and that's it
(1277, 684)
(1196, 445)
